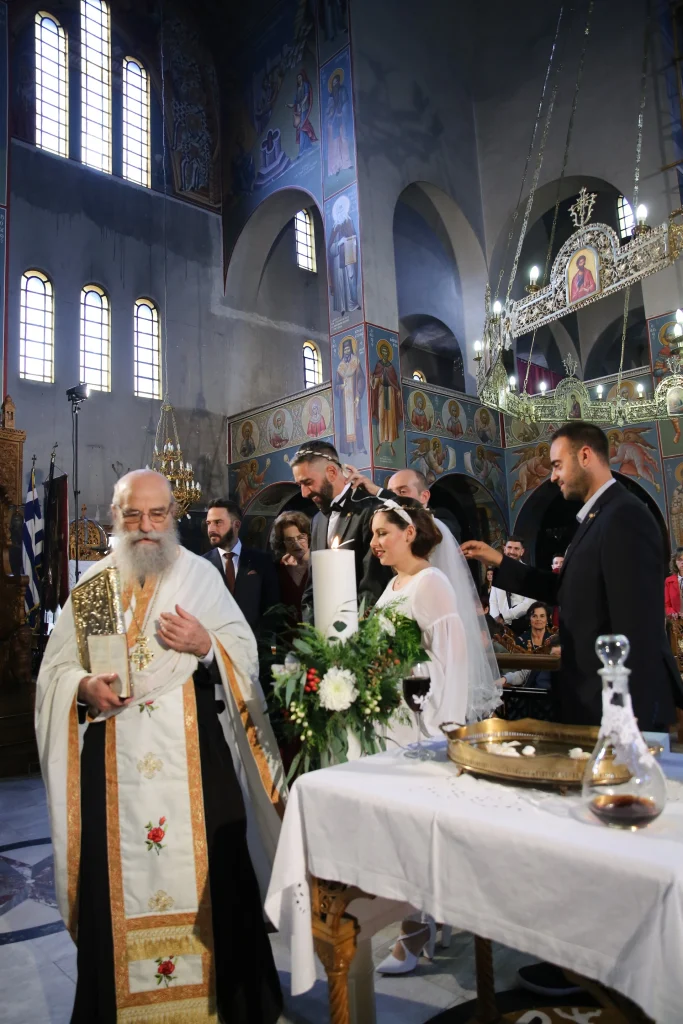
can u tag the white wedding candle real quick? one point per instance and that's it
(335, 598)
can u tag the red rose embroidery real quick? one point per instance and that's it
(165, 969)
(156, 834)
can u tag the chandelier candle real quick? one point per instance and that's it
(335, 598)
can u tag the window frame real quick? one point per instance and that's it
(88, 81)
(316, 368)
(27, 275)
(105, 340)
(304, 241)
(419, 376)
(144, 178)
(144, 301)
(625, 218)
(62, 92)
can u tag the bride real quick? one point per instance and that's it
(463, 672)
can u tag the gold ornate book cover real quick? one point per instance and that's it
(98, 609)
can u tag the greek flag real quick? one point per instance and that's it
(33, 550)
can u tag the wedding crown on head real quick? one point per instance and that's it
(389, 505)
(311, 453)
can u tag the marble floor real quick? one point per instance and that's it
(38, 958)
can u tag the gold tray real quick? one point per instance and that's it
(551, 766)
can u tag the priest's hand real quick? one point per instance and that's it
(357, 480)
(184, 633)
(481, 552)
(96, 692)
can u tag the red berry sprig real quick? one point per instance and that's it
(312, 681)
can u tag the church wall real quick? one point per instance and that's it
(80, 227)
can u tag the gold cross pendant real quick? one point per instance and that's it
(141, 655)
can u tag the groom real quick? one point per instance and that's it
(344, 516)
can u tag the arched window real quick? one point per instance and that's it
(305, 241)
(36, 328)
(52, 85)
(419, 375)
(625, 216)
(95, 339)
(95, 85)
(136, 164)
(147, 349)
(313, 365)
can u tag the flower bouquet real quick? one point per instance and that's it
(328, 689)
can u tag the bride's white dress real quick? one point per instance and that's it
(429, 598)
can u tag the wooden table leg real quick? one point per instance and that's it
(335, 936)
(487, 1008)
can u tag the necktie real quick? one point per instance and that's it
(230, 571)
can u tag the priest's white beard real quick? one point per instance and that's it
(138, 561)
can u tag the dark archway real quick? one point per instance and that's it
(477, 512)
(547, 523)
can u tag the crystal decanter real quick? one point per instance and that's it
(623, 784)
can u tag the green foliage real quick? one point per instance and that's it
(379, 656)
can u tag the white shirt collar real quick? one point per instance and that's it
(337, 500)
(591, 501)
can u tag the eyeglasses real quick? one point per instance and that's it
(132, 516)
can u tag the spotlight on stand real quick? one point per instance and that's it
(76, 396)
(79, 393)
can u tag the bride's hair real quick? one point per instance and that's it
(427, 533)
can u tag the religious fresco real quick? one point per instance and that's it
(333, 27)
(664, 343)
(671, 436)
(350, 387)
(280, 427)
(673, 472)
(386, 399)
(338, 135)
(247, 479)
(518, 432)
(526, 469)
(431, 456)
(192, 114)
(342, 243)
(430, 412)
(583, 274)
(487, 465)
(4, 98)
(634, 451)
(275, 123)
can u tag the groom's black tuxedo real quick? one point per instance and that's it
(354, 530)
(612, 581)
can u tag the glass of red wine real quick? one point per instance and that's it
(415, 690)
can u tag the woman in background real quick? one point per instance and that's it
(291, 540)
(673, 585)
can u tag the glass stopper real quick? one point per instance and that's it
(612, 650)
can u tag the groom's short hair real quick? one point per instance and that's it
(316, 450)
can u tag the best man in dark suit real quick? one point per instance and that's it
(611, 582)
(249, 575)
(344, 515)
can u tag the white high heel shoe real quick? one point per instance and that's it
(392, 965)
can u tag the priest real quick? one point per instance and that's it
(151, 796)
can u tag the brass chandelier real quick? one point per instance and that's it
(590, 265)
(168, 460)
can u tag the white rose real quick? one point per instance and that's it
(386, 625)
(337, 689)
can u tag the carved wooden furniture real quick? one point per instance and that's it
(18, 754)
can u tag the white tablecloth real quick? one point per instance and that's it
(527, 868)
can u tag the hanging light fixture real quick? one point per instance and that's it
(168, 458)
(591, 264)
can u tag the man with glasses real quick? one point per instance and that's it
(152, 869)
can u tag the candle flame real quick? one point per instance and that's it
(335, 544)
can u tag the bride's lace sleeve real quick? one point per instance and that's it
(435, 611)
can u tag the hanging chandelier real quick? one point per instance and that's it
(592, 264)
(169, 461)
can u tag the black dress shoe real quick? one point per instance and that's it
(546, 980)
